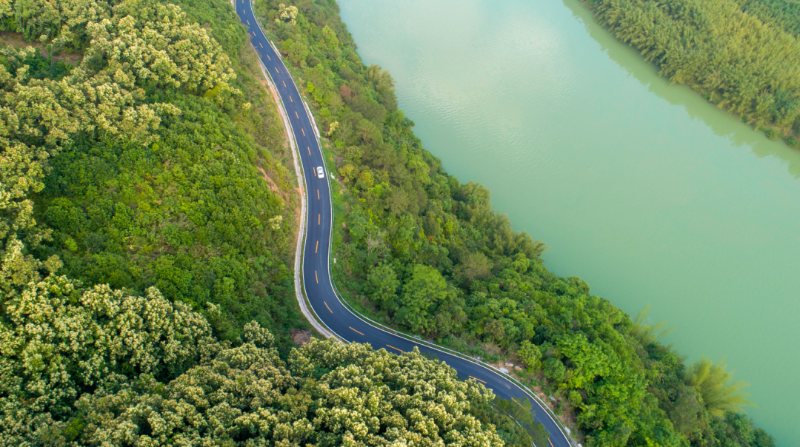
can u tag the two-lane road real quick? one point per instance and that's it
(316, 254)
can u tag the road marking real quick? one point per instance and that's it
(295, 113)
(254, 34)
(319, 216)
(276, 69)
(309, 150)
(517, 402)
(284, 83)
(248, 23)
(326, 305)
(317, 194)
(316, 277)
(317, 247)
(479, 380)
(259, 44)
(395, 348)
(291, 100)
(271, 59)
(356, 331)
(551, 442)
(304, 133)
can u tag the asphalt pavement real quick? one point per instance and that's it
(316, 275)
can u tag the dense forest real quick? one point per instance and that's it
(741, 55)
(154, 166)
(146, 233)
(102, 367)
(425, 253)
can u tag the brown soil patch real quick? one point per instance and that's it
(17, 40)
(272, 185)
(300, 337)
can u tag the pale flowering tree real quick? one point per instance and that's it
(286, 14)
(248, 396)
(59, 342)
(171, 51)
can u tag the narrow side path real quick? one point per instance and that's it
(316, 251)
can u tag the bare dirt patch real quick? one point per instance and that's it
(300, 337)
(17, 40)
(272, 185)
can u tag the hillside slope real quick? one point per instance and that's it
(140, 149)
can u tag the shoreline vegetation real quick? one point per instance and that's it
(741, 55)
(418, 250)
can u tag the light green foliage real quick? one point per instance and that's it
(713, 384)
(382, 284)
(555, 370)
(466, 278)
(530, 354)
(474, 266)
(740, 62)
(296, 51)
(425, 291)
(588, 360)
(330, 39)
(648, 333)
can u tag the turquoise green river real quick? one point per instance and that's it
(641, 188)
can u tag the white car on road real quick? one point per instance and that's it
(320, 173)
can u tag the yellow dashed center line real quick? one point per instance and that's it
(269, 58)
(356, 331)
(295, 113)
(316, 277)
(259, 44)
(479, 380)
(317, 247)
(291, 100)
(284, 83)
(317, 194)
(517, 402)
(276, 69)
(304, 134)
(319, 216)
(326, 305)
(309, 150)
(395, 348)
(248, 23)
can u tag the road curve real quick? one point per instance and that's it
(316, 252)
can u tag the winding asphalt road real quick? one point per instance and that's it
(316, 276)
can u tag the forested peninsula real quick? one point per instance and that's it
(742, 55)
(147, 225)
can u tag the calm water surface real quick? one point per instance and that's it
(639, 187)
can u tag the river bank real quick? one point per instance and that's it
(640, 187)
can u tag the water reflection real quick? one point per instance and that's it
(719, 121)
